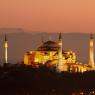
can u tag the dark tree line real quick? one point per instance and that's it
(25, 80)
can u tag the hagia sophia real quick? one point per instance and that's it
(52, 55)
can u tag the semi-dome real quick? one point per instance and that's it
(49, 46)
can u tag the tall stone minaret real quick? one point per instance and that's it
(60, 63)
(6, 49)
(91, 55)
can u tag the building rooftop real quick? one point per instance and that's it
(49, 46)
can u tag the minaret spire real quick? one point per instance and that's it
(91, 55)
(6, 49)
(60, 63)
(60, 36)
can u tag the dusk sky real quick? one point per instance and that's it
(48, 15)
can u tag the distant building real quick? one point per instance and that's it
(52, 55)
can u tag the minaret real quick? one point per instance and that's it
(6, 49)
(91, 55)
(60, 63)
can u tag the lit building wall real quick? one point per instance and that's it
(52, 55)
(42, 57)
(50, 59)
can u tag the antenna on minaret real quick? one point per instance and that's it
(91, 53)
(6, 49)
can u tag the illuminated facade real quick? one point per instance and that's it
(52, 55)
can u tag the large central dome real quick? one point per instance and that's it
(49, 46)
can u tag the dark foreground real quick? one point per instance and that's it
(24, 80)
